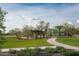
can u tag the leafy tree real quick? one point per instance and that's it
(43, 27)
(26, 31)
(55, 32)
(77, 31)
(58, 30)
(69, 30)
(16, 31)
(2, 27)
(65, 29)
(50, 32)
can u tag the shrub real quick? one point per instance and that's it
(45, 52)
(71, 53)
(48, 51)
(58, 50)
(29, 52)
(12, 51)
(21, 53)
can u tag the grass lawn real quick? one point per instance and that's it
(13, 43)
(74, 41)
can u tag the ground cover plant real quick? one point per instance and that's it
(58, 51)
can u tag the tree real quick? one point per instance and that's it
(46, 29)
(42, 26)
(65, 30)
(50, 32)
(26, 31)
(69, 30)
(58, 30)
(77, 31)
(16, 31)
(55, 32)
(2, 27)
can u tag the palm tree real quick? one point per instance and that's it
(55, 32)
(58, 29)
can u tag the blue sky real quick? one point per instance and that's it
(20, 15)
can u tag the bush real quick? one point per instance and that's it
(29, 52)
(12, 51)
(21, 53)
(59, 50)
(48, 51)
(32, 52)
(71, 53)
(45, 52)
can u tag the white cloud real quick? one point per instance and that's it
(31, 16)
(77, 21)
(69, 22)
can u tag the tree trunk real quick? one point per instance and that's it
(59, 32)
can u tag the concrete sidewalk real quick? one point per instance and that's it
(54, 42)
(18, 49)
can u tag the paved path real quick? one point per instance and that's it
(43, 47)
(54, 42)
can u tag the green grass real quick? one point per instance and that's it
(74, 41)
(13, 43)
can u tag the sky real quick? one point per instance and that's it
(21, 14)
